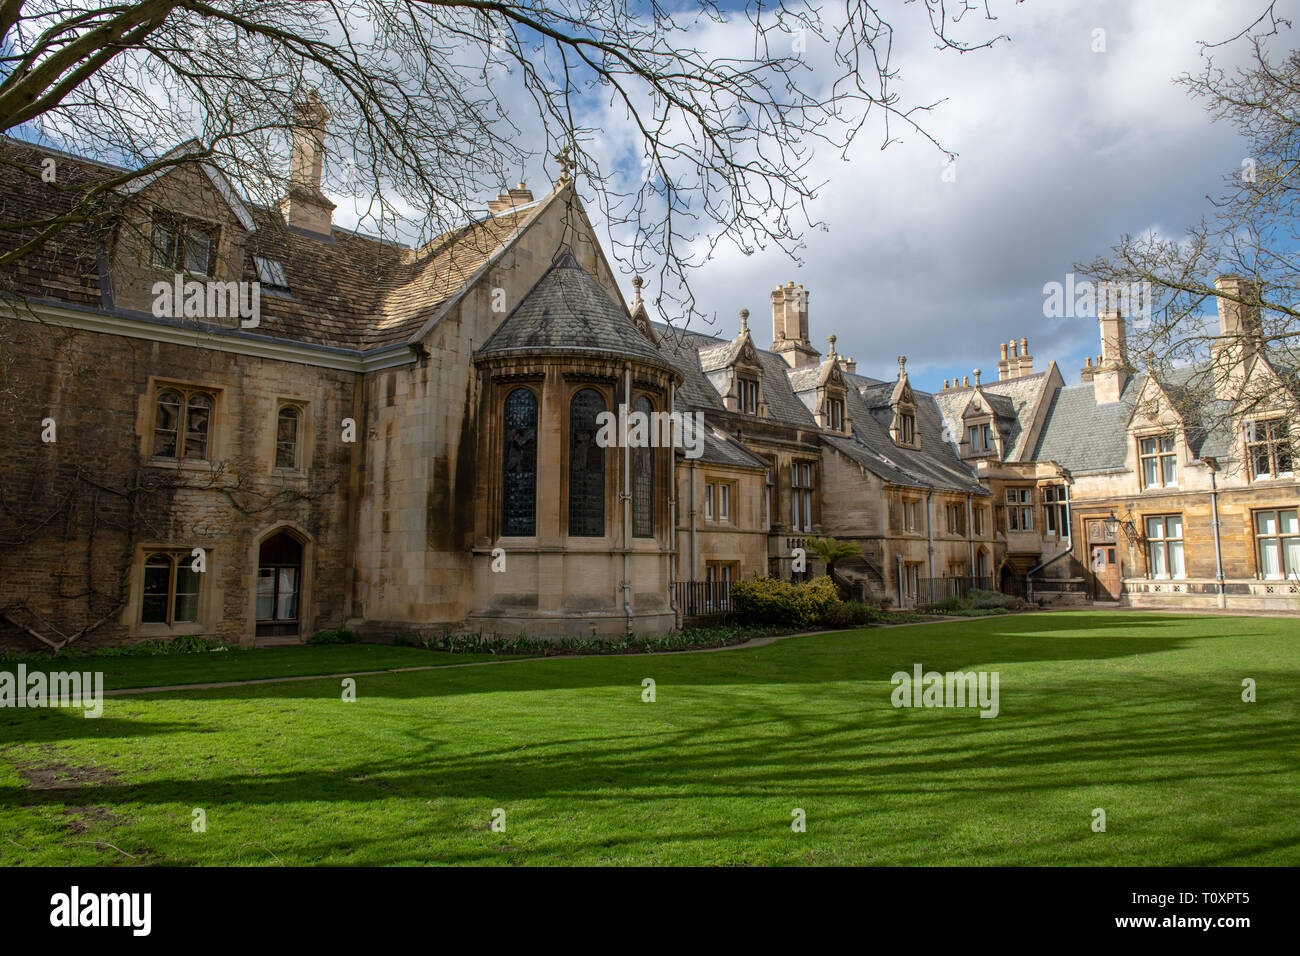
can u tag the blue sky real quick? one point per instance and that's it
(1061, 151)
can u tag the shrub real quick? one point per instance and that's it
(850, 614)
(985, 599)
(337, 636)
(951, 605)
(771, 602)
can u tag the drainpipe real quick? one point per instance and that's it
(672, 515)
(627, 500)
(970, 535)
(900, 582)
(694, 554)
(929, 534)
(1214, 521)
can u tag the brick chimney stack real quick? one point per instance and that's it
(306, 207)
(1004, 364)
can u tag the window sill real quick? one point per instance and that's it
(155, 630)
(197, 465)
(293, 474)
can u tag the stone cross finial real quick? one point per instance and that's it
(565, 158)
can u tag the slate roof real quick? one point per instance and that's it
(1013, 401)
(722, 449)
(568, 310)
(1081, 435)
(934, 465)
(354, 292)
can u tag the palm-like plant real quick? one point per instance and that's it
(829, 550)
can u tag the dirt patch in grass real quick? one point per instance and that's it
(84, 819)
(52, 774)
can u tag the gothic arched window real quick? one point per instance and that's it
(643, 477)
(519, 465)
(586, 466)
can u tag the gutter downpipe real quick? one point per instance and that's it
(1214, 521)
(929, 534)
(672, 515)
(627, 500)
(694, 554)
(970, 534)
(900, 581)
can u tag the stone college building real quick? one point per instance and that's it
(398, 440)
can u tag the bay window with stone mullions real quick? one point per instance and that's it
(1159, 461)
(1268, 449)
(1277, 543)
(183, 424)
(1020, 509)
(171, 589)
(1164, 534)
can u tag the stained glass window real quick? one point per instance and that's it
(519, 465)
(586, 467)
(643, 479)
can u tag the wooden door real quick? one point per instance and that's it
(1105, 572)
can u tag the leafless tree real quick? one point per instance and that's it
(1250, 232)
(437, 103)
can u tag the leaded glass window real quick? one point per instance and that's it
(586, 467)
(519, 465)
(643, 479)
(286, 437)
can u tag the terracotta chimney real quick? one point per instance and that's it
(1026, 360)
(1085, 373)
(1003, 364)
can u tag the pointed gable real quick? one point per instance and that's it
(568, 310)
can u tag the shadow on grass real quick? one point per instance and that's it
(873, 654)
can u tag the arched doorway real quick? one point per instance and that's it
(279, 582)
(1009, 582)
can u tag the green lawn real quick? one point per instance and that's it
(165, 670)
(1138, 714)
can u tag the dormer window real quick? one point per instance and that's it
(1268, 449)
(835, 414)
(906, 428)
(748, 392)
(981, 439)
(180, 246)
(1159, 461)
